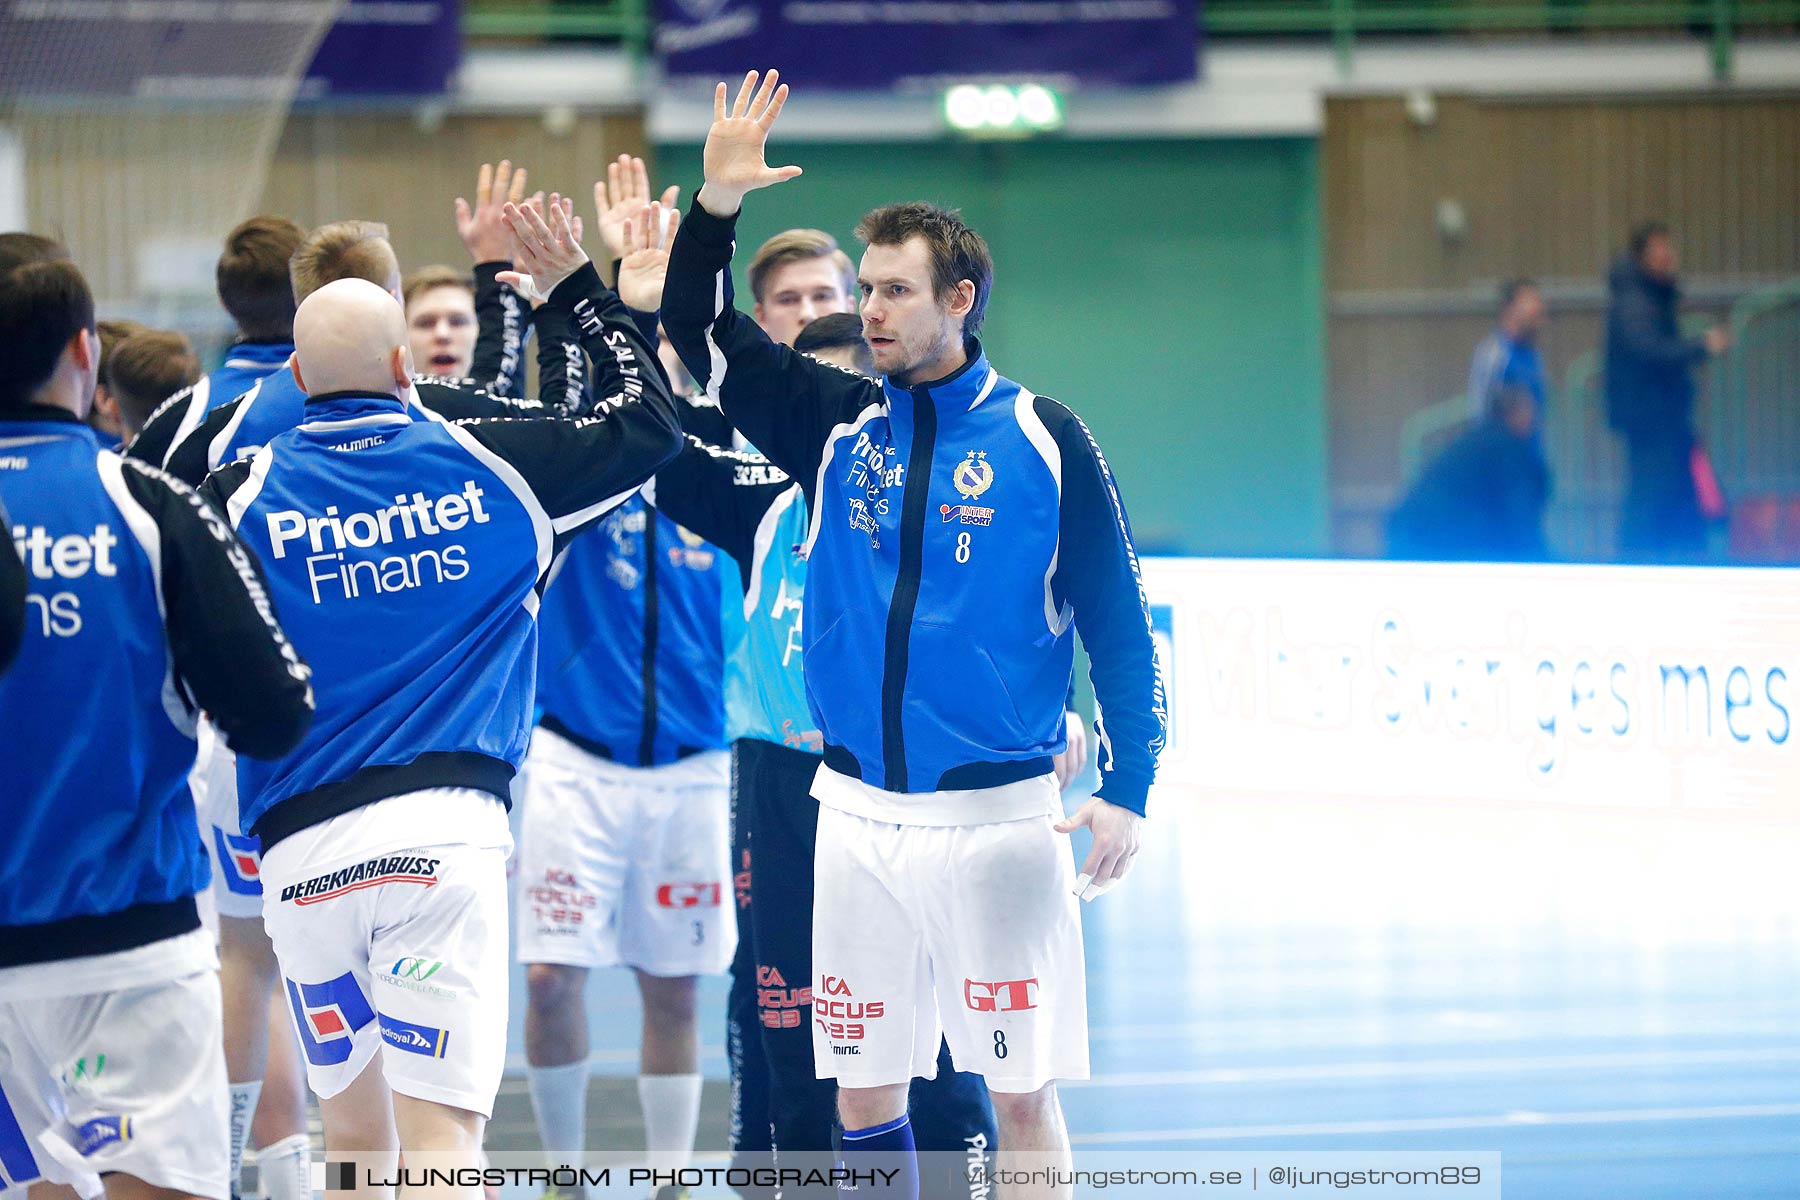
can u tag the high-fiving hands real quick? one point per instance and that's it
(481, 227)
(733, 158)
(546, 247)
(621, 195)
(644, 263)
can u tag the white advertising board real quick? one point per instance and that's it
(1650, 688)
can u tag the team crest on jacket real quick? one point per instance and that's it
(973, 475)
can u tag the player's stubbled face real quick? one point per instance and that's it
(441, 326)
(903, 322)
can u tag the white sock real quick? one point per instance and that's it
(671, 1115)
(559, 1099)
(243, 1108)
(285, 1168)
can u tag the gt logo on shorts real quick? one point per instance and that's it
(240, 858)
(414, 1039)
(1008, 995)
(328, 1015)
(688, 895)
(394, 868)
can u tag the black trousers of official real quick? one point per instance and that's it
(772, 787)
(1662, 521)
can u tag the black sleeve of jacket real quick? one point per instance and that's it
(154, 441)
(785, 402)
(720, 494)
(501, 326)
(1641, 329)
(582, 469)
(1097, 573)
(229, 649)
(189, 460)
(12, 597)
(464, 399)
(562, 364)
(703, 419)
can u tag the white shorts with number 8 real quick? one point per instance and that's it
(968, 932)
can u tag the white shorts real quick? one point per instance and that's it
(400, 949)
(236, 856)
(130, 1081)
(625, 865)
(968, 932)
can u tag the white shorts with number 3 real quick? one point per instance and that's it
(625, 866)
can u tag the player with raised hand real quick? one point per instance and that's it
(625, 794)
(753, 511)
(497, 360)
(962, 529)
(413, 554)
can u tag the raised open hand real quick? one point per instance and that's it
(733, 158)
(536, 202)
(545, 249)
(644, 269)
(621, 195)
(482, 230)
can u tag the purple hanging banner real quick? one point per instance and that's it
(864, 44)
(388, 48)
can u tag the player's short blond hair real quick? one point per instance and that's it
(344, 250)
(797, 245)
(428, 279)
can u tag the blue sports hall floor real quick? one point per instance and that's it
(1608, 998)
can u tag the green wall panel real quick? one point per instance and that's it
(1170, 292)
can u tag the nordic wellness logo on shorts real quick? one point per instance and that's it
(416, 973)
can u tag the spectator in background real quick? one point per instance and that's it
(1650, 400)
(1483, 498)
(1508, 357)
(104, 417)
(142, 371)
